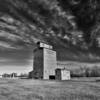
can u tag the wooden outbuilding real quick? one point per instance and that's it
(62, 74)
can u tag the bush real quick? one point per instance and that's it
(86, 72)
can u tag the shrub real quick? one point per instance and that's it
(86, 72)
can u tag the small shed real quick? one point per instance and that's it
(31, 74)
(62, 74)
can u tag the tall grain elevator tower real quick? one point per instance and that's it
(45, 62)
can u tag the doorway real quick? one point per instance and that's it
(52, 77)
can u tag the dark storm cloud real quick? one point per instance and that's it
(24, 22)
(15, 57)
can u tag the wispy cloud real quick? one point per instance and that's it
(6, 45)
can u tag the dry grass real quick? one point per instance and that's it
(76, 89)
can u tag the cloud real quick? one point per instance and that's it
(6, 45)
(9, 36)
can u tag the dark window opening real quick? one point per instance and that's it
(52, 77)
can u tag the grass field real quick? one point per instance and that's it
(75, 89)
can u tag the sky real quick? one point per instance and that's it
(22, 23)
(19, 61)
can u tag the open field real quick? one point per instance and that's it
(76, 89)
